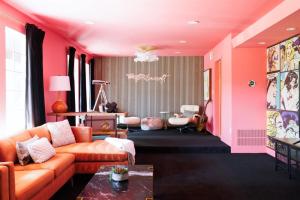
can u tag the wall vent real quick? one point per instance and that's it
(251, 138)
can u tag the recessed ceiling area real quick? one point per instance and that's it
(174, 27)
(282, 30)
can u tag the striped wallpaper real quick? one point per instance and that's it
(184, 85)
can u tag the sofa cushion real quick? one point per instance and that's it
(41, 150)
(22, 150)
(30, 182)
(94, 151)
(61, 133)
(58, 163)
(40, 131)
(8, 146)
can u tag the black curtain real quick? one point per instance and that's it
(34, 97)
(71, 93)
(92, 68)
(82, 96)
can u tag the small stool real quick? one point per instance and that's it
(151, 123)
(130, 122)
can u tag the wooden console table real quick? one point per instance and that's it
(288, 148)
(85, 114)
(101, 122)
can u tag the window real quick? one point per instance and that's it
(76, 83)
(15, 48)
(88, 86)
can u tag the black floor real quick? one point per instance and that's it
(198, 175)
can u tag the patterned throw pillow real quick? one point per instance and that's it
(61, 133)
(22, 150)
(41, 150)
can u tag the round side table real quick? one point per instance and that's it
(164, 117)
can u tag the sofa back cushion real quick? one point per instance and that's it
(40, 131)
(8, 150)
(41, 150)
(61, 133)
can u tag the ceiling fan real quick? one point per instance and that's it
(145, 53)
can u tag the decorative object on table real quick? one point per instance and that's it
(59, 84)
(119, 186)
(207, 84)
(119, 173)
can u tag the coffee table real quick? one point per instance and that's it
(138, 186)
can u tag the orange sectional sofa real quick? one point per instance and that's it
(41, 181)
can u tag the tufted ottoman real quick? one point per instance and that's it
(130, 121)
(151, 123)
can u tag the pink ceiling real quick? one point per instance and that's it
(121, 26)
(277, 32)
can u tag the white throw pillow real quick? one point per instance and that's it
(22, 150)
(41, 150)
(61, 133)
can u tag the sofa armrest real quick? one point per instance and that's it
(82, 133)
(7, 180)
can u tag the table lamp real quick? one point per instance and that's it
(59, 84)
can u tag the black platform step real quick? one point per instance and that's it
(171, 141)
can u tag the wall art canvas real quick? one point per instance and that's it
(273, 90)
(290, 54)
(290, 90)
(283, 89)
(207, 84)
(282, 124)
(273, 63)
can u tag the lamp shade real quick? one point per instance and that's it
(59, 83)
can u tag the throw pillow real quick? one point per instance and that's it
(61, 133)
(22, 150)
(41, 150)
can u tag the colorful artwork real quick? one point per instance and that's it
(273, 59)
(290, 90)
(273, 91)
(282, 124)
(283, 90)
(290, 54)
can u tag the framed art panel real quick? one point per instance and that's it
(207, 84)
(273, 63)
(290, 90)
(273, 90)
(290, 54)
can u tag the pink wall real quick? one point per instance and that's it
(248, 103)
(242, 107)
(55, 47)
(222, 51)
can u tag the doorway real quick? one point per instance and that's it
(218, 98)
